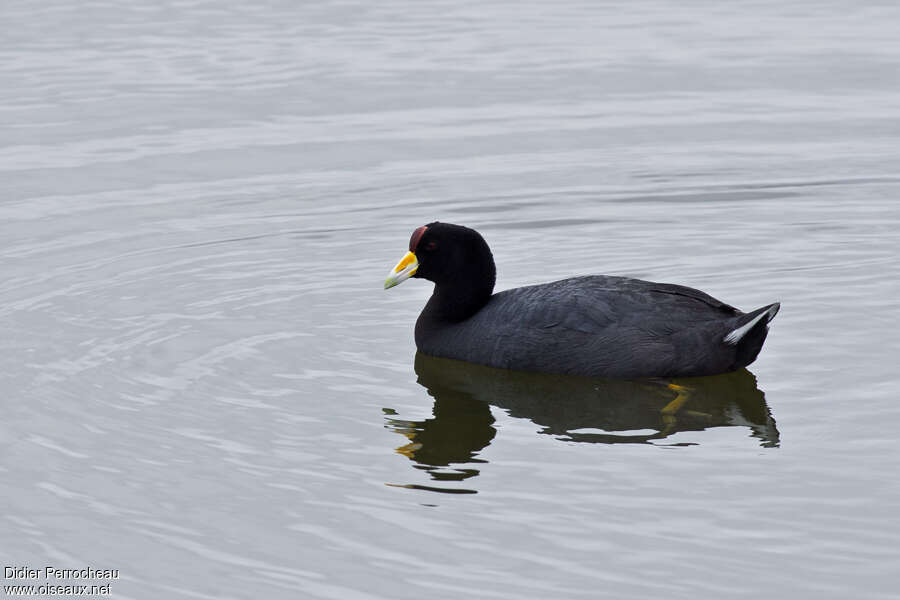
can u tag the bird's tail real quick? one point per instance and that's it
(750, 333)
(747, 323)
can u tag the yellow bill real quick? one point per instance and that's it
(405, 269)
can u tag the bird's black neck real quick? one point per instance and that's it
(458, 298)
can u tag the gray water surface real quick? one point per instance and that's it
(206, 387)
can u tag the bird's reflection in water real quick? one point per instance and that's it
(579, 409)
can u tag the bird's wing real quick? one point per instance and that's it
(594, 304)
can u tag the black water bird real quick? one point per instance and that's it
(594, 325)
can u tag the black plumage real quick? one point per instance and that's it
(591, 325)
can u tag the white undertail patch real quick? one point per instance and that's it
(735, 336)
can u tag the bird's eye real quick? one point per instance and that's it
(431, 245)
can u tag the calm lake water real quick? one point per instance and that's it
(206, 387)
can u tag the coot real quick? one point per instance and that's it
(593, 325)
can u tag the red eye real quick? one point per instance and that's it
(431, 245)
